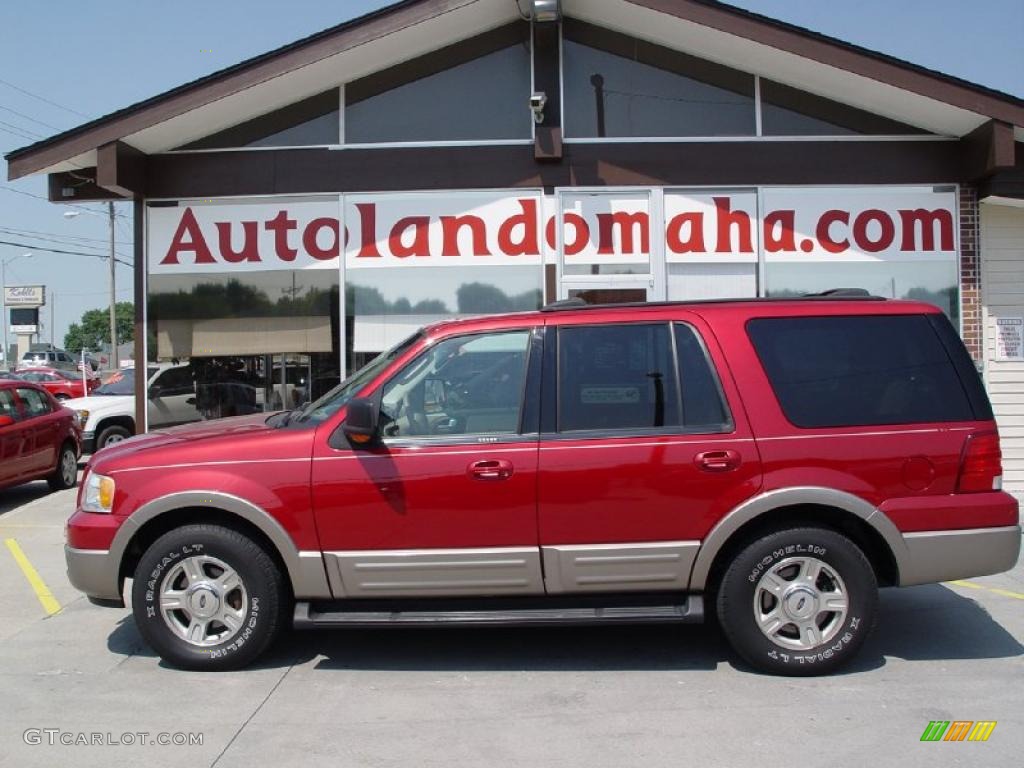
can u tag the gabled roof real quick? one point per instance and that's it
(744, 40)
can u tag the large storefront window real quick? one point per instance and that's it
(383, 306)
(896, 243)
(246, 312)
(233, 344)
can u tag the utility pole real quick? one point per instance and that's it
(113, 292)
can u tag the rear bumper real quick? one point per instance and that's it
(933, 556)
(94, 572)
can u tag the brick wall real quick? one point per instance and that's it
(970, 271)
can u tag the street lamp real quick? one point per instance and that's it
(113, 292)
(3, 302)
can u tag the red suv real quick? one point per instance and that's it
(775, 460)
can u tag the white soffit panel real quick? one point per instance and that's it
(362, 60)
(787, 68)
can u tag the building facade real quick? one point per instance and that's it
(303, 211)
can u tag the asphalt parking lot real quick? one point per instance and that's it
(648, 696)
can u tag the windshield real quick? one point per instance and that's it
(332, 402)
(122, 383)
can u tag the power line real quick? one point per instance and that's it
(24, 136)
(69, 253)
(31, 119)
(23, 129)
(15, 231)
(45, 100)
(48, 200)
(102, 252)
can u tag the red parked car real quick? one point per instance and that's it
(61, 384)
(39, 439)
(774, 460)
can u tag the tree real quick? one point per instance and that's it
(94, 329)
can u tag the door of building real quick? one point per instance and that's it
(607, 252)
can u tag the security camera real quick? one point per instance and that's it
(538, 101)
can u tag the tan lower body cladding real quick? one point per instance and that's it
(640, 567)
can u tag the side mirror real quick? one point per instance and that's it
(361, 421)
(155, 391)
(5, 420)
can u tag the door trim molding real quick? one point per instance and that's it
(632, 567)
(435, 572)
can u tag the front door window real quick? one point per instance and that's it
(470, 385)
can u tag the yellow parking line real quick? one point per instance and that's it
(49, 602)
(1003, 592)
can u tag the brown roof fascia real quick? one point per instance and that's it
(851, 58)
(145, 114)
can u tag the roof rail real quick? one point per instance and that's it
(842, 293)
(554, 306)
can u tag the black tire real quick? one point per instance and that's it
(62, 398)
(114, 434)
(261, 612)
(745, 580)
(65, 475)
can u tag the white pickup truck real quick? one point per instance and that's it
(108, 414)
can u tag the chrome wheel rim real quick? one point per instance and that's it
(69, 467)
(113, 439)
(203, 601)
(800, 603)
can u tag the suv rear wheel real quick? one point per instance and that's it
(206, 597)
(799, 601)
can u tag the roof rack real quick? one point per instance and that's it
(834, 294)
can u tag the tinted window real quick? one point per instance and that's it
(312, 121)
(643, 90)
(483, 99)
(787, 111)
(470, 385)
(853, 371)
(616, 377)
(702, 399)
(36, 403)
(174, 381)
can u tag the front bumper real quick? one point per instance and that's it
(94, 572)
(933, 556)
(88, 442)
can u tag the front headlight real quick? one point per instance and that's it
(83, 417)
(98, 495)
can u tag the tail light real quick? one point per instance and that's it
(981, 466)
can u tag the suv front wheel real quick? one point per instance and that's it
(799, 601)
(206, 597)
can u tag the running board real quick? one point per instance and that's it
(339, 615)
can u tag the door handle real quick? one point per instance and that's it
(490, 469)
(717, 461)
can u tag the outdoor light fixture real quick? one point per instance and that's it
(547, 10)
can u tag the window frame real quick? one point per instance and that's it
(526, 408)
(551, 428)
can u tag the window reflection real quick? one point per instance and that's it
(232, 345)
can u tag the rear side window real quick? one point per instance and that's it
(35, 402)
(616, 377)
(859, 371)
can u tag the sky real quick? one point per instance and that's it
(64, 61)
